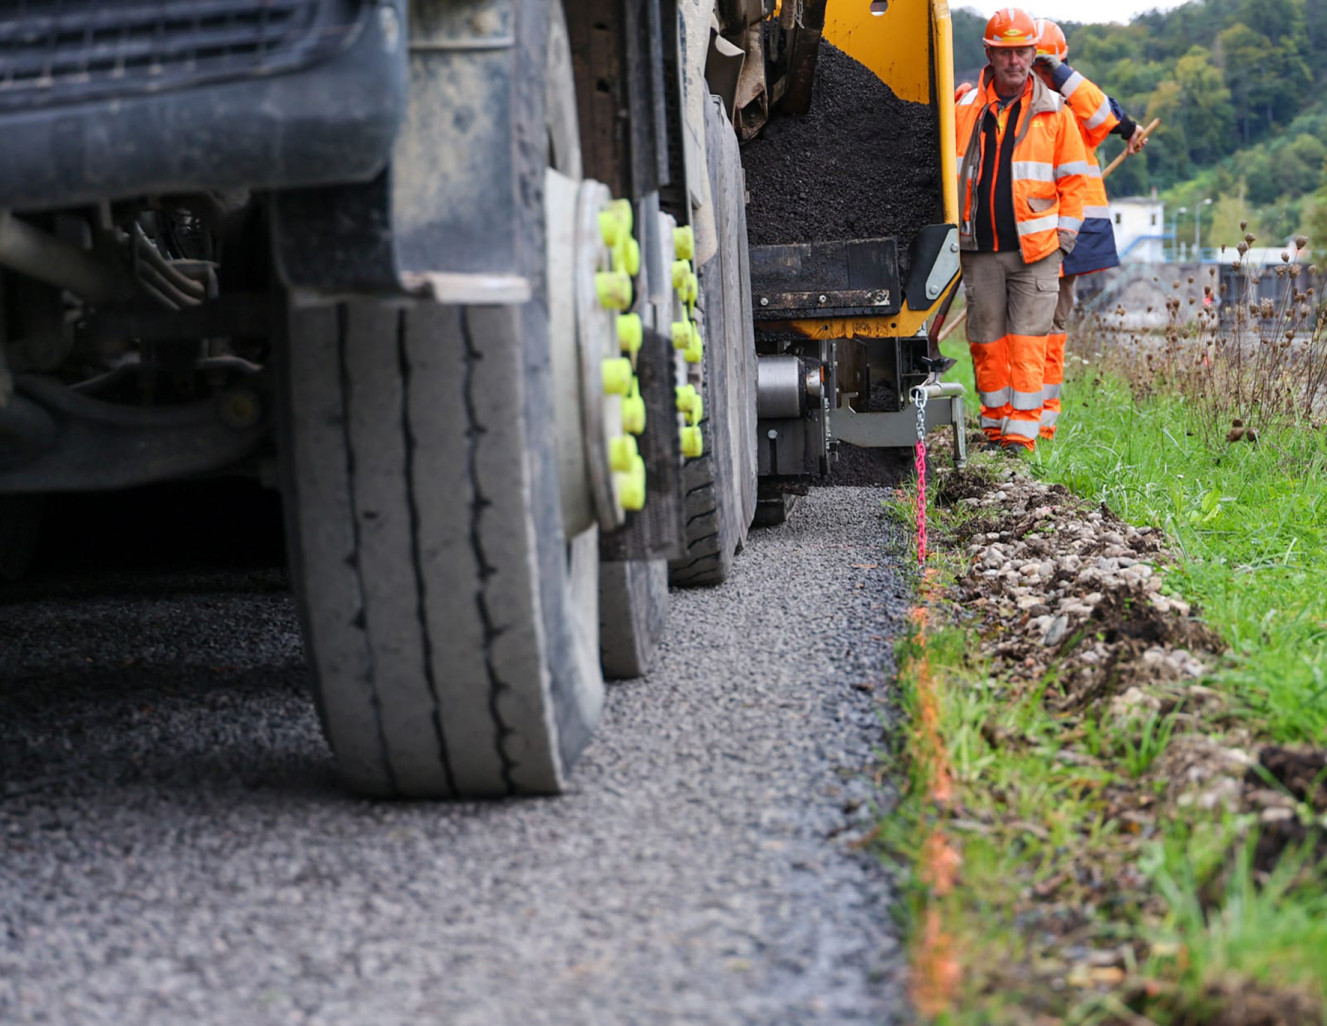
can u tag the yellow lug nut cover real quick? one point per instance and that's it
(621, 452)
(622, 208)
(681, 270)
(684, 242)
(686, 396)
(626, 256)
(631, 486)
(693, 443)
(697, 412)
(682, 331)
(617, 374)
(633, 414)
(613, 289)
(630, 333)
(610, 227)
(695, 352)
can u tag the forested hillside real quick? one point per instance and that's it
(1238, 87)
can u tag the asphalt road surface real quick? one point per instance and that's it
(174, 848)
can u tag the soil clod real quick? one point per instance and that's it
(1302, 773)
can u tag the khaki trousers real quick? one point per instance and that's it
(1011, 307)
(1053, 378)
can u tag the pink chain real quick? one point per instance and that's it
(920, 462)
(919, 400)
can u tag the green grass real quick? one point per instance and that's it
(1249, 522)
(1248, 526)
(1273, 930)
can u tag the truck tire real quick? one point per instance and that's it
(633, 606)
(452, 626)
(720, 485)
(442, 631)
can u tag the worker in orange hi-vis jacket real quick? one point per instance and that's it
(1022, 183)
(1098, 116)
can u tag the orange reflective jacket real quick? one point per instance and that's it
(1096, 119)
(1048, 167)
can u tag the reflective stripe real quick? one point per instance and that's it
(1070, 224)
(1039, 224)
(993, 422)
(1070, 84)
(1102, 212)
(997, 398)
(1099, 115)
(1049, 417)
(1026, 401)
(1035, 170)
(969, 98)
(1022, 428)
(1050, 391)
(1070, 167)
(1094, 170)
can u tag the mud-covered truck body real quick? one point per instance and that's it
(468, 281)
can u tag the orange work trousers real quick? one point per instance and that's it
(1052, 381)
(1011, 307)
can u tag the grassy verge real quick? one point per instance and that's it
(1092, 889)
(1250, 521)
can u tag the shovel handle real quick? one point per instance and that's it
(1120, 159)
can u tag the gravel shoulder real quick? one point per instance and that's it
(173, 847)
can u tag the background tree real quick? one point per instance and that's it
(1242, 54)
(1228, 211)
(1204, 108)
(1316, 219)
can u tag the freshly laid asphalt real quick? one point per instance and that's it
(174, 848)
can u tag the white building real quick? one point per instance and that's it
(1141, 232)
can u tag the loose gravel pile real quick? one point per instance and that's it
(860, 164)
(1071, 584)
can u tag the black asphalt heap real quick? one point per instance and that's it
(860, 164)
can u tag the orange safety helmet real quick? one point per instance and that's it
(1050, 39)
(1011, 26)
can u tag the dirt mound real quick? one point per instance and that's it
(960, 485)
(1302, 773)
(860, 164)
(1059, 584)
(1239, 1002)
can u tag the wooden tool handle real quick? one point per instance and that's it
(1120, 159)
(952, 326)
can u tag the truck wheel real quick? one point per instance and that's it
(721, 484)
(452, 624)
(633, 605)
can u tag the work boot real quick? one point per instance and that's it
(1016, 450)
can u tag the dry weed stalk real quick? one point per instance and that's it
(1243, 357)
